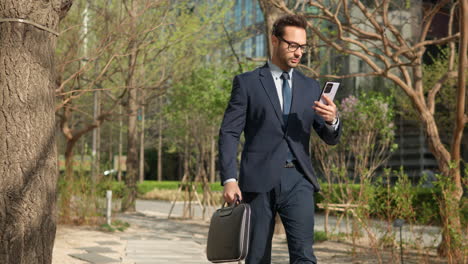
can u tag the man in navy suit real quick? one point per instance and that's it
(276, 107)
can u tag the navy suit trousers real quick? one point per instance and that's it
(293, 199)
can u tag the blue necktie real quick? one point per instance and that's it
(287, 96)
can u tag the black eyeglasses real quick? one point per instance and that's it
(292, 46)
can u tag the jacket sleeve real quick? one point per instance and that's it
(328, 134)
(231, 130)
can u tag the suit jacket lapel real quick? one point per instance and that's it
(269, 85)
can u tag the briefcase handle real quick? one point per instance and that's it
(234, 204)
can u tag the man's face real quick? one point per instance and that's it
(282, 57)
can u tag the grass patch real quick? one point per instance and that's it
(116, 225)
(169, 195)
(320, 236)
(148, 186)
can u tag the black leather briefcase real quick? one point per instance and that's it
(228, 236)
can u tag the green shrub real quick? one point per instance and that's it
(320, 236)
(118, 189)
(424, 202)
(148, 186)
(116, 225)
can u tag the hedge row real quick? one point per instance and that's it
(424, 203)
(118, 188)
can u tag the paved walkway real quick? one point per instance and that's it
(152, 238)
(428, 236)
(159, 240)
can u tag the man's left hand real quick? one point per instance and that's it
(327, 111)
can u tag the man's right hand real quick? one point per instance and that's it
(231, 192)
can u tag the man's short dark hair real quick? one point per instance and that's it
(288, 20)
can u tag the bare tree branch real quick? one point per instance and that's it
(435, 89)
(426, 43)
(429, 17)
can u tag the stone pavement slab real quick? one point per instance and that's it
(164, 251)
(107, 243)
(95, 258)
(98, 249)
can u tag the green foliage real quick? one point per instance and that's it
(148, 186)
(336, 195)
(320, 236)
(366, 143)
(77, 201)
(120, 225)
(118, 189)
(106, 228)
(372, 111)
(116, 225)
(445, 101)
(203, 95)
(450, 212)
(415, 204)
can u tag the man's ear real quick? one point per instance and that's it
(274, 41)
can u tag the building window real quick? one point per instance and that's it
(258, 13)
(238, 14)
(248, 47)
(260, 46)
(248, 12)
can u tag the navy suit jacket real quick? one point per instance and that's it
(254, 108)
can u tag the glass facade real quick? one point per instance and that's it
(247, 16)
(248, 13)
(238, 15)
(260, 46)
(248, 47)
(258, 13)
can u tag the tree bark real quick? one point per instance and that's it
(452, 244)
(132, 134)
(132, 142)
(461, 96)
(160, 176)
(119, 167)
(96, 140)
(271, 13)
(213, 159)
(28, 167)
(142, 145)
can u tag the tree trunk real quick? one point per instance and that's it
(271, 13)
(160, 176)
(66, 193)
(110, 146)
(96, 140)
(142, 145)
(119, 167)
(132, 142)
(451, 245)
(461, 97)
(128, 203)
(28, 167)
(213, 160)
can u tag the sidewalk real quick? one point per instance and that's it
(154, 239)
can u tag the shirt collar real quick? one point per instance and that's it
(277, 71)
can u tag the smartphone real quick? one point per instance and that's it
(329, 89)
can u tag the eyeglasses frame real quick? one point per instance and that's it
(304, 48)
